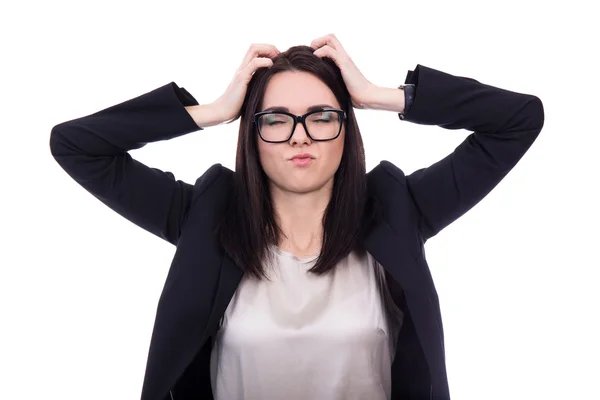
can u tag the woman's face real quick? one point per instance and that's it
(297, 91)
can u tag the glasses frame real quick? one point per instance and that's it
(300, 119)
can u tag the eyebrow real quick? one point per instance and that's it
(309, 109)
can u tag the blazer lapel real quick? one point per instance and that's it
(229, 280)
(184, 353)
(390, 250)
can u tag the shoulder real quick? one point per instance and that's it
(385, 176)
(387, 185)
(214, 178)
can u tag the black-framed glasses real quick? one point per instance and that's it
(279, 126)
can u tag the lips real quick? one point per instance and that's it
(302, 161)
(303, 156)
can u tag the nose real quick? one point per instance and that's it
(299, 135)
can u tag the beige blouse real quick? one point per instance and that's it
(300, 336)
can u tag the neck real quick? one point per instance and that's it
(300, 217)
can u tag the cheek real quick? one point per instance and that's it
(336, 152)
(268, 158)
(331, 156)
(337, 156)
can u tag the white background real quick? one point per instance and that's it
(517, 275)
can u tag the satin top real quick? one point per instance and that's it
(301, 336)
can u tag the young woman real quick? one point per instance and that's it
(299, 275)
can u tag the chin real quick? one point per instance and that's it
(305, 187)
(300, 187)
(296, 185)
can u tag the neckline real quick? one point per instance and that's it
(292, 256)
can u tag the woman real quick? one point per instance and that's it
(299, 275)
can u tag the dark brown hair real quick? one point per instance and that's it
(249, 225)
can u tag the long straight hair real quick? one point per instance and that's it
(249, 225)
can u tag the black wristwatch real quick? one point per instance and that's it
(409, 96)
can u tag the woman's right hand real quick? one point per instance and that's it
(230, 103)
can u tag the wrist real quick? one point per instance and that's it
(205, 115)
(409, 97)
(388, 99)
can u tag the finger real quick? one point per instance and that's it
(327, 51)
(338, 58)
(259, 50)
(329, 39)
(256, 63)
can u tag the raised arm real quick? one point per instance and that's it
(504, 125)
(93, 150)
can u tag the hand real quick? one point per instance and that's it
(360, 89)
(230, 103)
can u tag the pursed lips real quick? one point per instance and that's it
(302, 156)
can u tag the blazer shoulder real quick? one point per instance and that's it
(387, 184)
(213, 174)
(384, 171)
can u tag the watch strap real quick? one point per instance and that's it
(409, 96)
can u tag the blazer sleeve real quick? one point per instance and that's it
(93, 150)
(504, 125)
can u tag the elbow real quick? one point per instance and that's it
(55, 141)
(536, 114)
(529, 120)
(59, 145)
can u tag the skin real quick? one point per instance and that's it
(300, 194)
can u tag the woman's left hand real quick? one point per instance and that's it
(361, 90)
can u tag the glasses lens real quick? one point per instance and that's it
(275, 127)
(323, 124)
(278, 127)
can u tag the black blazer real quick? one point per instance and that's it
(201, 280)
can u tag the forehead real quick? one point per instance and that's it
(297, 90)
